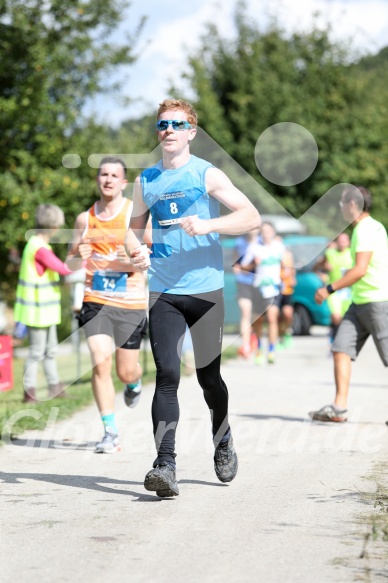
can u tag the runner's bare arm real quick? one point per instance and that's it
(351, 276)
(78, 250)
(243, 218)
(139, 227)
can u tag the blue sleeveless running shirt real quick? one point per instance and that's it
(181, 264)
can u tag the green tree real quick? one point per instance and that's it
(55, 55)
(373, 161)
(261, 78)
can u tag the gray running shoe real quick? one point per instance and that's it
(225, 461)
(132, 395)
(162, 480)
(329, 413)
(109, 443)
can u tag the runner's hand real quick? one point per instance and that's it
(122, 254)
(321, 295)
(85, 250)
(194, 226)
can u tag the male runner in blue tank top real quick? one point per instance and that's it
(183, 195)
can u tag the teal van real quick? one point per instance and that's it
(306, 251)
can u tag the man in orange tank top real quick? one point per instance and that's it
(115, 302)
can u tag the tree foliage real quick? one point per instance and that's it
(261, 78)
(55, 55)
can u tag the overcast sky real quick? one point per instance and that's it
(174, 26)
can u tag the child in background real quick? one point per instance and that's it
(38, 302)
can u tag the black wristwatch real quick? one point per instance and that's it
(330, 289)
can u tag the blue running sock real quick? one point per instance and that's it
(272, 348)
(109, 421)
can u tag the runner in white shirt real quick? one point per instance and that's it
(267, 257)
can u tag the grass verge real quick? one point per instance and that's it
(367, 558)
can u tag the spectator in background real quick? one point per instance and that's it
(335, 262)
(38, 302)
(368, 312)
(245, 291)
(286, 316)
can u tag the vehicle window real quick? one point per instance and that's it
(303, 253)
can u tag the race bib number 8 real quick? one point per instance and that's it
(171, 208)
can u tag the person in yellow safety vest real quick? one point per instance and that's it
(38, 302)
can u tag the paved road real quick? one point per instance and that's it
(297, 511)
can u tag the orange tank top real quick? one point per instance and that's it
(287, 276)
(108, 280)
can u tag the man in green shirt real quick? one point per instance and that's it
(339, 260)
(334, 264)
(368, 312)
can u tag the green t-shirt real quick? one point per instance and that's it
(340, 262)
(370, 235)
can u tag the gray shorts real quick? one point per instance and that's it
(260, 304)
(245, 291)
(359, 322)
(127, 327)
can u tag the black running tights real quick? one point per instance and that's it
(168, 316)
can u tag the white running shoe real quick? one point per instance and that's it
(109, 443)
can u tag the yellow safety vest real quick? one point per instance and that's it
(38, 297)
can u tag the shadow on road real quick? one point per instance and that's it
(52, 444)
(281, 417)
(261, 417)
(84, 482)
(94, 483)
